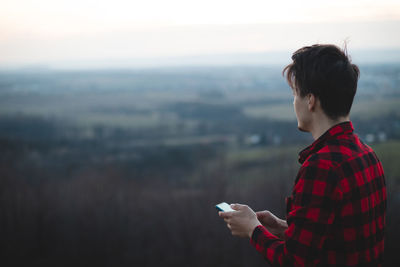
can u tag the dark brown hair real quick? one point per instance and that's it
(327, 72)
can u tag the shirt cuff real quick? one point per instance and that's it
(260, 234)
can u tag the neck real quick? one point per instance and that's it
(324, 124)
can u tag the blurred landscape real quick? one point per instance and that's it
(124, 167)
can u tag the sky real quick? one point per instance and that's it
(99, 32)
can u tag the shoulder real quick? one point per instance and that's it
(326, 164)
(319, 174)
(342, 162)
(337, 151)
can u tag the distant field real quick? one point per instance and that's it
(134, 110)
(121, 120)
(363, 109)
(389, 154)
(376, 107)
(148, 98)
(263, 164)
(262, 153)
(273, 111)
(260, 163)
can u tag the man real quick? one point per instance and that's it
(336, 212)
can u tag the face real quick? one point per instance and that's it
(302, 112)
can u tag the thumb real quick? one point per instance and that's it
(261, 214)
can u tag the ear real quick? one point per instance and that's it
(312, 101)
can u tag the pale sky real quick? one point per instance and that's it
(53, 31)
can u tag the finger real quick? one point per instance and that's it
(237, 206)
(225, 214)
(222, 215)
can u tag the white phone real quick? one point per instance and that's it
(224, 207)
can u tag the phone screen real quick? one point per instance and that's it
(224, 207)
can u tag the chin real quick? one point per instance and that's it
(301, 128)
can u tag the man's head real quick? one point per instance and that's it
(324, 73)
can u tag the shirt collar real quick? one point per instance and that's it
(339, 129)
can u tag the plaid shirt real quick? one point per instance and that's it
(336, 213)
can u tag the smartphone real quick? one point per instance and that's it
(224, 207)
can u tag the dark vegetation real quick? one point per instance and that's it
(94, 193)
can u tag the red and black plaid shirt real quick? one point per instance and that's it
(336, 213)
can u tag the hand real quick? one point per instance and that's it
(273, 224)
(242, 221)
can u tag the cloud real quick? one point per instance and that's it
(180, 41)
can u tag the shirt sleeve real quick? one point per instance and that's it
(310, 217)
